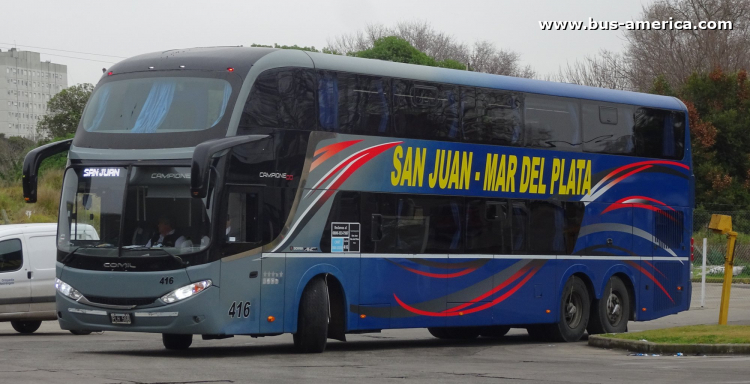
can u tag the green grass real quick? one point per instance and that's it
(694, 334)
(48, 200)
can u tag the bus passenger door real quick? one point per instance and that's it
(241, 267)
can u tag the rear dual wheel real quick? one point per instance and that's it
(610, 313)
(575, 304)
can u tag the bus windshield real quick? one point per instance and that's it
(156, 105)
(141, 209)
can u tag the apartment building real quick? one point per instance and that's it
(26, 85)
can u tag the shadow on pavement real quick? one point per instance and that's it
(333, 346)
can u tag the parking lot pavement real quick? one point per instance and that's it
(55, 356)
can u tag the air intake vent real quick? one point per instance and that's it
(121, 300)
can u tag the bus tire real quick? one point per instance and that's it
(610, 313)
(575, 303)
(176, 342)
(495, 331)
(312, 320)
(26, 327)
(454, 333)
(79, 332)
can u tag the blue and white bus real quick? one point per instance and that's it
(253, 191)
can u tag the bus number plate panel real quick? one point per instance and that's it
(120, 318)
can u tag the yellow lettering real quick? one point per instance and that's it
(398, 153)
(542, 187)
(438, 160)
(489, 172)
(555, 175)
(534, 174)
(406, 171)
(581, 166)
(571, 187)
(500, 181)
(525, 174)
(453, 182)
(562, 187)
(510, 179)
(445, 171)
(466, 169)
(587, 179)
(418, 173)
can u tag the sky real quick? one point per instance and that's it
(118, 29)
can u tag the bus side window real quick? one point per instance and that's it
(280, 98)
(487, 227)
(552, 122)
(547, 223)
(351, 103)
(659, 133)
(493, 117)
(608, 128)
(243, 218)
(426, 111)
(520, 227)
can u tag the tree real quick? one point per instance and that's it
(483, 56)
(393, 48)
(12, 152)
(64, 111)
(670, 53)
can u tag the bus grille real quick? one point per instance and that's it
(121, 300)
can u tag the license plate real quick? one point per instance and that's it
(120, 318)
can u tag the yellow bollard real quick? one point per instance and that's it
(723, 224)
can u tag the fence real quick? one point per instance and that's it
(717, 247)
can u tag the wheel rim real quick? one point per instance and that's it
(614, 308)
(573, 310)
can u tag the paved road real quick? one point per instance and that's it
(54, 356)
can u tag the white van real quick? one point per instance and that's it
(27, 274)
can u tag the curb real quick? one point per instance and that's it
(686, 349)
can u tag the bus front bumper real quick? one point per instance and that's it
(190, 316)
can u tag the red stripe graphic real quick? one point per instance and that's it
(498, 288)
(655, 269)
(650, 276)
(438, 275)
(625, 203)
(329, 150)
(359, 158)
(624, 167)
(468, 311)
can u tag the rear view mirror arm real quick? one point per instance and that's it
(31, 164)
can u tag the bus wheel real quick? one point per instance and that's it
(312, 321)
(26, 327)
(574, 312)
(496, 331)
(610, 313)
(176, 342)
(455, 333)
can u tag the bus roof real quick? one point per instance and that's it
(242, 58)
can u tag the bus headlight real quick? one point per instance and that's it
(186, 291)
(67, 290)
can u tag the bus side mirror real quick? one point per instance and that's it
(31, 164)
(203, 155)
(376, 227)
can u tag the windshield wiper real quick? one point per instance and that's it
(68, 255)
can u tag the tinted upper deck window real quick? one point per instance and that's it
(608, 128)
(552, 122)
(426, 111)
(351, 103)
(492, 117)
(659, 133)
(281, 98)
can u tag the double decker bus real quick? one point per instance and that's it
(253, 191)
